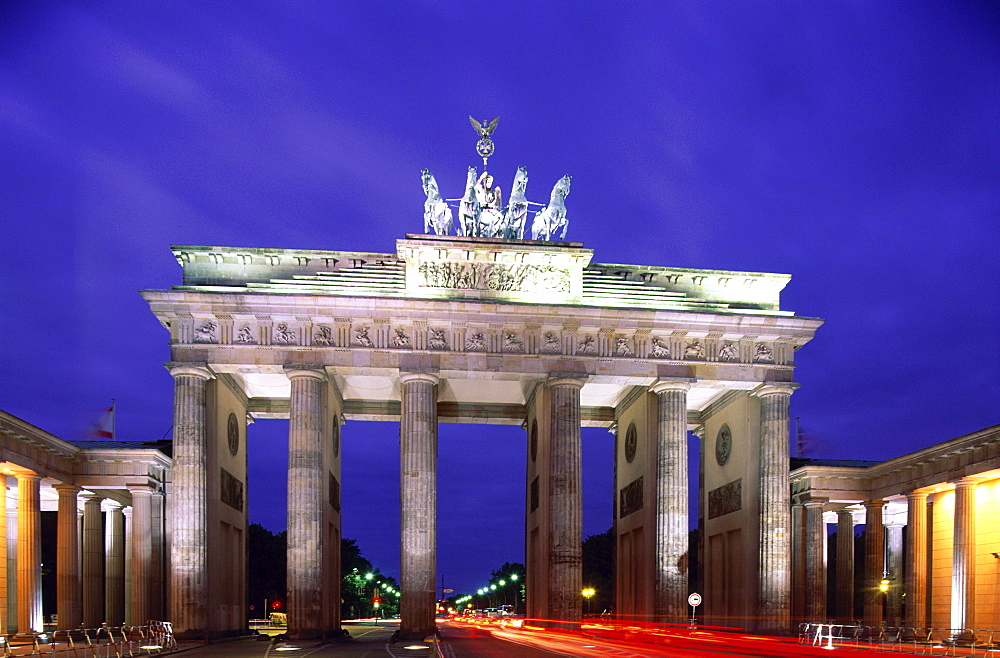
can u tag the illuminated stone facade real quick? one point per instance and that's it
(119, 579)
(939, 573)
(520, 332)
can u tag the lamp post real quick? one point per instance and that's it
(587, 593)
(513, 579)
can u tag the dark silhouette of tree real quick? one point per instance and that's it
(599, 571)
(266, 575)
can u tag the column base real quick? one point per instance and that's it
(414, 636)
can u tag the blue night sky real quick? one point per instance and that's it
(853, 145)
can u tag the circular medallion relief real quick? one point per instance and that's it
(723, 445)
(335, 436)
(233, 434)
(534, 439)
(631, 443)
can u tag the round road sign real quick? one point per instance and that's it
(694, 600)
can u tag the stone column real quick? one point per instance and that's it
(305, 504)
(916, 559)
(963, 565)
(187, 512)
(775, 509)
(418, 504)
(815, 560)
(894, 572)
(5, 600)
(29, 554)
(129, 545)
(114, 565)
(93, 562)
(874, 561)
(157, 557)
(845, 566)
(671, 500)
(142, 553)
(799, 563)
(12, 570)
(565, 501)
(67, 558)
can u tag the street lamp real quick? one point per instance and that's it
(587, 593)
(513, 578)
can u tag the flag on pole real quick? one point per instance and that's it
(105, 426)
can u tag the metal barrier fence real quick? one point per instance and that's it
(150, 639)
(928, 641)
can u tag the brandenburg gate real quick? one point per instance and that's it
(489, 329)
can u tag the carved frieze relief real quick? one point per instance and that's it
(206, 333)
(550, 343)
(245, 336)
(511, 344)
(475, 342)
(621, 347)
(694, 350)
(729, 352)
(763, 353)
(400, 339)
(437, 339)
(283, 335)
(660, 349)
(361, 338)
(587, 346)
(323, 336)
(495, 276)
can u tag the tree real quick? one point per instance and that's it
(599, 570)
(266, 575)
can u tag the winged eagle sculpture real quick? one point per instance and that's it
(484, 130)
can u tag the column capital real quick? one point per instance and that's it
(815, 502)
(874, 505)
(114, 505)
(91, 498)
(555, 381)
(775, 388)
(66, 489)
(294, 372)
(916, 496)
(429, 377)
(966, 483)
(199, 370)
(843, 514)
(27, 476)
(140, 489)
(664, 385)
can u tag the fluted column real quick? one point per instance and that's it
(6, 600)
(815, 560)
(157, 556)
(93, 562)
(114, 565)
(142, 554)
(874, 561)
(671, 500)
(845, 565)
(894, 572)
(127, 513)
(418, 504)
(305, 504)
(67, 558)
(799, 563)
(916, 559)
(29, 554)
(963, 564)
(565, 501)
(187, 512)
(775, 512)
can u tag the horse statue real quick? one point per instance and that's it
(468, 209)
(437, 214)
(549, 219)
(517, 211)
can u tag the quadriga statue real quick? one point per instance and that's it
(437, 214)
(552, 217)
